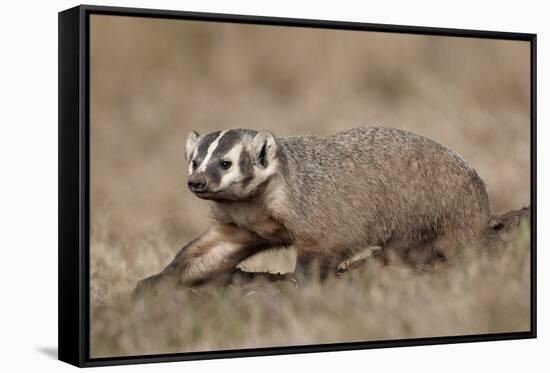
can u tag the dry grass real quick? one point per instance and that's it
(481, 293)
(154, 80)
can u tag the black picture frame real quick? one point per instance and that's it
(74, 191)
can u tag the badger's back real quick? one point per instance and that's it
(380, 186)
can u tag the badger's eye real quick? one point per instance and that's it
(225, 164)
(193, 164)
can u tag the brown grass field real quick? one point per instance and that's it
(152, 81)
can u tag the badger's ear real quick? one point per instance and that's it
(192, 140)
(264, 149)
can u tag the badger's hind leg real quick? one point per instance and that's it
(214, 254)
(415, 252)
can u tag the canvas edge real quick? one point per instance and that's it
(69, 197)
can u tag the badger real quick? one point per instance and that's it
(328, 197)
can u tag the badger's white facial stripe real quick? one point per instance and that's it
(233, 174)
(211, 148)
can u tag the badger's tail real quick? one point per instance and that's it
(502, 228)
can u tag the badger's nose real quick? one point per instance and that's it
(197, 184)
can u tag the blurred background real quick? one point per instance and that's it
(154, 80)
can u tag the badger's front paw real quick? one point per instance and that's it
(154, 285)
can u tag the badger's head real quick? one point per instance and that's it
(230, 165)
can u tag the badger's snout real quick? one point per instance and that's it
(197, 183)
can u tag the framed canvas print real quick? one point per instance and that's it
(235, 186)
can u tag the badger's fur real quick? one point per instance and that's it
(328, 197)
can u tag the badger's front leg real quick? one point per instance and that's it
(216, 252)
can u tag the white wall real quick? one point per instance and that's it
(28, 169)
